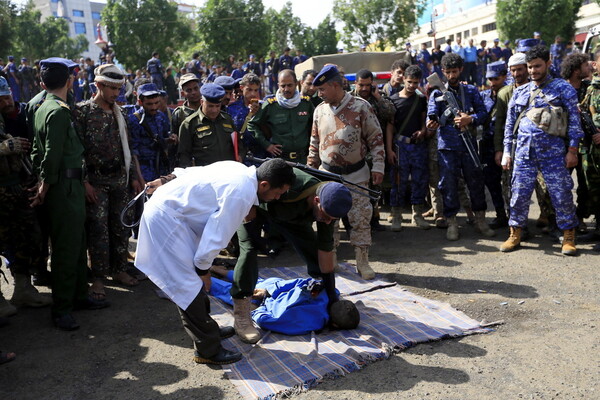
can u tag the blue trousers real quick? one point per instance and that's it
(413, 164)
(157, 79)
(453, 164)
(559, 184)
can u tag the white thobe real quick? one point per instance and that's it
(188, 221)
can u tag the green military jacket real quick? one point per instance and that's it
(56, 145)
(179, 115)
(203, 142)
(504, 96)
(290, 128)
(293, 208)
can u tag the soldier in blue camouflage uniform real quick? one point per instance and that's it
(538, 150)
(156, 70)
(492, 173)
(149, 129)
(453, 156)
(102, 125)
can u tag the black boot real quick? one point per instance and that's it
(501, 220)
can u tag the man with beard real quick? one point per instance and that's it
(307, 89)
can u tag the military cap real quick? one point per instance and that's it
(327, 72)
(226, 82)
(163, 93)
(212, 92)
(11, 58)
(48, 62)
(147, 89)
(496, 40)
(335, 199)
(495, 69)
(527, 44)
(4, 88)
(185, 78)
(517, 59)
(23, 59)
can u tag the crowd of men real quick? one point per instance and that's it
(69, 165)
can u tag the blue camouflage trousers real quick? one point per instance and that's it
(412, 166)
(453, 164)
(559, 183)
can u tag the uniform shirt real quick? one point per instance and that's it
(147, 147)
(15, 124)
(154, 66)
(470, 54)
(344, 136)
(497, 52)
(289, 127)
(204, 140)
(447, 135)
(102, 143)
(56, 146)
(458, 49)
(557, 92)
(403, 106)
(490, 101)
(506, 53)
(388, 90)
(502, 100)
(188, 221)
(285, 62)
(237, 73)
(252, 66)
(299, 60)
(179, 115)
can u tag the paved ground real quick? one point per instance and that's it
(547, 348)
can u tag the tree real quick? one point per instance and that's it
(383, 22)
(232, 27)
(8, 14)
(325, 37)
(138, 28)
(284, 28)
(520, 18)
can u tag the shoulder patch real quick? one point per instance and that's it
(63, 104)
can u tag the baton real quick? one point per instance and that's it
(142, 195)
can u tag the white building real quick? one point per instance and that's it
(476, 19)
(83, 17)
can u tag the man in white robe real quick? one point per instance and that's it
(184, 226)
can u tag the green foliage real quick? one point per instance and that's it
(30, 37)
(517, 19)
(383, 22)
(232, 27)
(138, 28)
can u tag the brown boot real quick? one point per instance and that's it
(481, 225)
(452, 232)
(243, 325)
(513, 241)
(362, 263)
(568, 243)
(27, 295)
(396, 219)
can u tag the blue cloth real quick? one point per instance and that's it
(557, 53)
(14, 86)
(237, 74)
(239, 112)
(413, 164)
(146, 148)
(290, 309)
(299, 60)
(285, 62)
(538, 151)
(458, 49)
(497, 52)
(326, 73)
(226, 82)
(506, 54)
(495, 69)
(213, 92)
(470, 53)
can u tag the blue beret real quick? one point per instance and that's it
(147, 90)
(328, 72)
(335, 199)
(11, 58)
(226, 82)
(526, 44)
(4, 88)
(212, 92)
(495, 69)
(48, 62)
(506, 42)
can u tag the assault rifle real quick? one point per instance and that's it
(435, 82)
(589, 128)
(317, 173)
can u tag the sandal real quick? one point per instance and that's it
(125, 279)
(6, 357)
(97, 292)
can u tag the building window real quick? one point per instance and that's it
(80, 28)
(466, 34)
(488, 27)
(96, 15)
(474, 31)
(78, 13)
(459, 35)
(55, 13)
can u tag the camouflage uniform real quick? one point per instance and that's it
(591, 152)
(107, 238)
(339, 143)
(538, 151)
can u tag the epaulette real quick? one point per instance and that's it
(271, 99)
(63, 104)
(305, 98)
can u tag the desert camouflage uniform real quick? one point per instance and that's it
(342, 138)
(107, 238)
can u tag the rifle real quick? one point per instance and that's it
(435, 82)
(371, 193)
(589, 128)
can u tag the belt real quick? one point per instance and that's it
(292, 155)
(73, 173)
(345, 170)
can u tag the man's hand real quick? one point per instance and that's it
(206, 280)
(376, 93)
(596, 139)
(275, 149)
(152, 186)
(376, 178)
(498, 158)
(136, 186)
(40, 194)
(253, 107)
(506, 162)
(432, 125)
(391, 156)
(463, 120)
(14, 145)
(173, 139)
(418, 136)
(571, 159)
(90, 193)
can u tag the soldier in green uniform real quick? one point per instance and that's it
(206, 136)
(58, 155)
(282, 125)
(189, 85)
(307, 201)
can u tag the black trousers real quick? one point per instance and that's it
(203, 330)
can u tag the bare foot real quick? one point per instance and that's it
(96, 290)
(125, 279)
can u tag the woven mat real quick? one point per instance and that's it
(392, 319)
